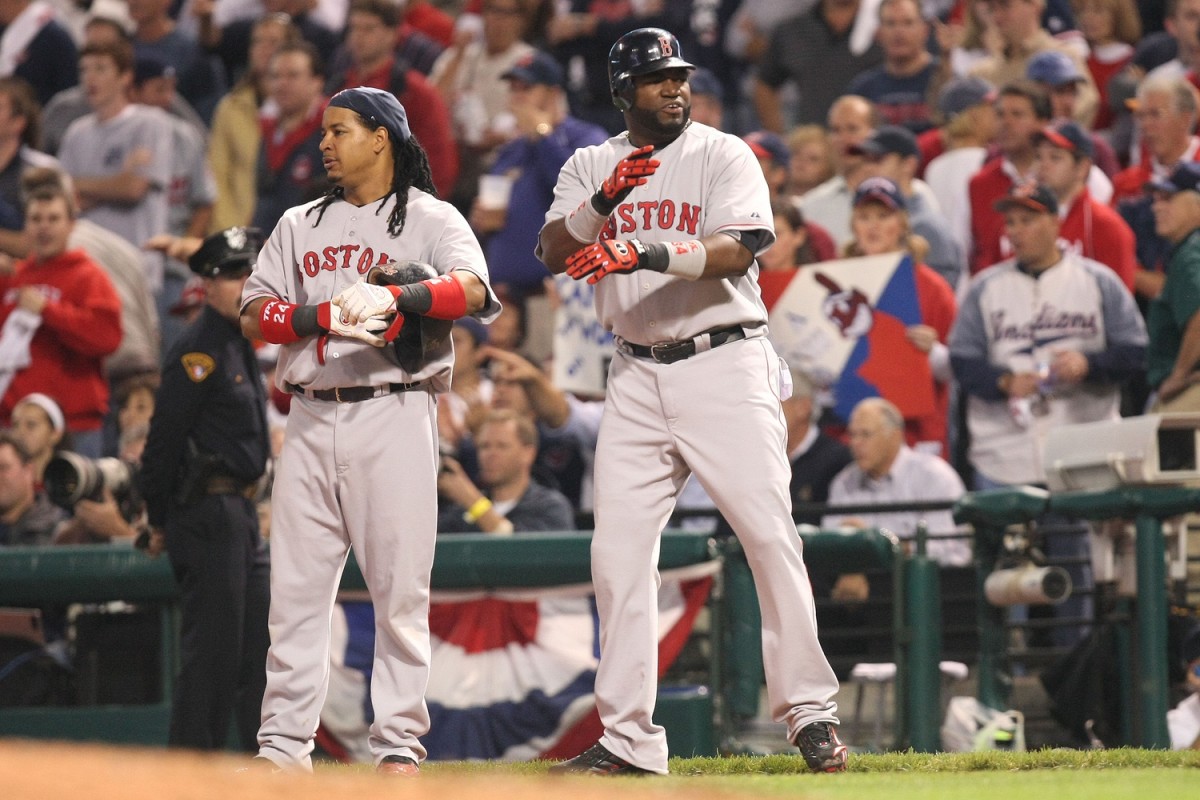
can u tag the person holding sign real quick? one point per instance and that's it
(880, 225)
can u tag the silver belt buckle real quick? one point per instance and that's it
(670, 352)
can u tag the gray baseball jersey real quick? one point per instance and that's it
(700, 188)
(354, 474)
(716, 415)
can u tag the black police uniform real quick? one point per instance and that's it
(208, 446)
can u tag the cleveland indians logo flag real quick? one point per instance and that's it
(843, 322)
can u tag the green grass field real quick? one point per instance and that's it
(1041, 775)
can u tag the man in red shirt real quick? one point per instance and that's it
(75, 315)
(371, 45)
(1089, 228)
(1022, 110)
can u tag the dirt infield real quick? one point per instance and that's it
(38, 771)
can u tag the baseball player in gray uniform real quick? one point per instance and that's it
(666, 220)
(359, 461)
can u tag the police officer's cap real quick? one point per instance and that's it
(227, 253)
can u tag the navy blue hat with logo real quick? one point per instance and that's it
(880, 190)
(1053, 67)
(1031, 196)
(887, 139)
(1068, 136)
(147, 68)
(377, 107)
(227, 253)
(536, 69)
(768, 145)
(1185, 177)
(962, 93)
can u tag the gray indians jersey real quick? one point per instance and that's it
(1018, 321)
(708, 181)
(306, 265)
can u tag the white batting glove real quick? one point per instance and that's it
(368, 330)
(363, 300)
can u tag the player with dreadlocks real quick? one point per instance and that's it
(359, 461)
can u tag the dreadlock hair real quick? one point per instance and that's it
(410, 169)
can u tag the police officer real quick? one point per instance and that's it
(208, 447)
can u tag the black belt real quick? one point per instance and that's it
(355, 394)
(670, 352)
(226, 484)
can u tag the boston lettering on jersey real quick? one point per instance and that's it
(650, 214)
(1049, 324)
(346, 256)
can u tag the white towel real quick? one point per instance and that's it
(14, 344)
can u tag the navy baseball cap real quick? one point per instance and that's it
(1185, 177)
(962, 93)
(887, 139)
(1054, 68)
(377, 107)
(537, 68)
(765, 144)
(1068, 136)
(704, 82)
(227, 253)
(1031, 196)
(880, 190)
(147, 68)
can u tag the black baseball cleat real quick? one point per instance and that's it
(821, 748)
(596, 760)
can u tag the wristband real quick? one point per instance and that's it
(477, 510)
(686, 259)
(275, 322)
(585, 223)
(442, 297)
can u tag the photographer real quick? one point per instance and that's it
(207, 449)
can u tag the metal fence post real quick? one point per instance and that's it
(1152, 634)
(924, 637)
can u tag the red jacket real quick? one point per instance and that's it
(987, 224)
(428, 116)
(81, 324)
(1098, 232)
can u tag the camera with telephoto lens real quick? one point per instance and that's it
(71, 477)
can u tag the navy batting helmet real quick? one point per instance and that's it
(640, 52)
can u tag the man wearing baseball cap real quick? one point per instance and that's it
(1047, 328)
(1172, 318)
(1095, 230)
(207, 448)
(891, 152)
(1064, 79)
(547, 136)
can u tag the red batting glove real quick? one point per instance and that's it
(630, 172)
(613, 255)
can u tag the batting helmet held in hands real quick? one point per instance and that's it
(420, 335)
(637, 53)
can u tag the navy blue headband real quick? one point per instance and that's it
(377, 107)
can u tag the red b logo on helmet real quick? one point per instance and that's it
(664, 44)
